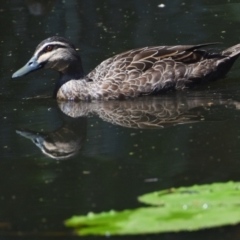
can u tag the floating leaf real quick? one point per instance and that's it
(194, 196)
(185, 208)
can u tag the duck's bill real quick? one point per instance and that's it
(32, 65)
(27, 134)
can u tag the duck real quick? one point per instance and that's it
(134, 73)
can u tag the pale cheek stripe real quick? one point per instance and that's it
(44, 57)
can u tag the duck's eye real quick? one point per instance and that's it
(49, 48)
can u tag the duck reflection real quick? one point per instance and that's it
(144, 113)
(158, 112)
(62, 143)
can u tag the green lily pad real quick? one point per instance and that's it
(195, 196)
(185, 208)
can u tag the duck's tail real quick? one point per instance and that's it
(229, 56)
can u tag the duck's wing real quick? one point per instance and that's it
(143, 59)
(180, 53)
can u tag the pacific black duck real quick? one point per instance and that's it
(137, 72)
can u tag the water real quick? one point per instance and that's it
(59, 160)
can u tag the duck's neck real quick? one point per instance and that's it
(69, 73)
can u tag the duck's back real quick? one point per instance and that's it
(151, 69)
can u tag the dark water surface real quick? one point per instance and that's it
(63, 159)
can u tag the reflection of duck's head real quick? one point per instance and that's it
(53, 145)
(129, 74)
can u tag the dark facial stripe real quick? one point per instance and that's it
(41, 50)
(55, 46)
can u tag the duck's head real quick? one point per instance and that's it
(55, 53)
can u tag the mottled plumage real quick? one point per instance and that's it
(130, 74)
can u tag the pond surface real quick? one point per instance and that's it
(64, 159)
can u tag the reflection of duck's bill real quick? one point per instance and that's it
(28, 134)
(57, 150)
